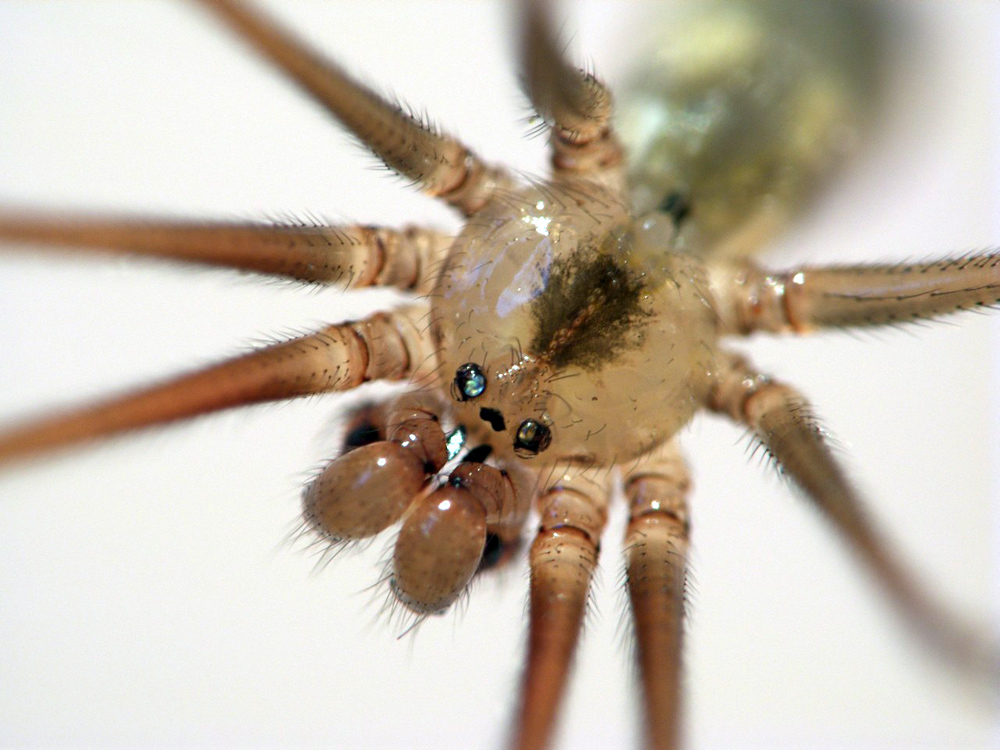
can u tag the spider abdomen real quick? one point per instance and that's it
(743, 107)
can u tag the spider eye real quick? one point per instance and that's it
(469, 382)
(532, 438)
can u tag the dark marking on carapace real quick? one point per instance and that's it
(590, 311)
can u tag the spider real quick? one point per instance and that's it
(219, 469)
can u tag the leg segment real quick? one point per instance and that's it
(444, 167)
(563, 558)
(782, 420)
(576, 105)
(656, 546)
(337, 358)
(749, 298)
(355, 256)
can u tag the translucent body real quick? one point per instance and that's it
(580, 320)
(742, 107)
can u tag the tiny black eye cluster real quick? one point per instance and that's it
(532, 436)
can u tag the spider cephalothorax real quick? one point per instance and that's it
(578, 326)
(570, 330)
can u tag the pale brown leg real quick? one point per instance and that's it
(782, 420)
(656, 545)
(563, 557)
(440, 164)
(749, 298)
(354, 256)
(576, 105)
(337, 358)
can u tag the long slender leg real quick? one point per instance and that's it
(656, 544)
(563, 557)
(355, 256)
(440, 164)
(337, 358)
(782, 420)
(749, 298)
(575, 104)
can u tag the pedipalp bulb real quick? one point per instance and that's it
(438, 549)
(364, 491)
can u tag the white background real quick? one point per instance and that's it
(146, 595)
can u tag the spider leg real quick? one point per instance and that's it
(354, 256)
(337, 358)
(573, 511)
(783, 421)
(656, 544)
(440, 164)
(750, 298)
(576, 106)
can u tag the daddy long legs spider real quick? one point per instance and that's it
(145, 604)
